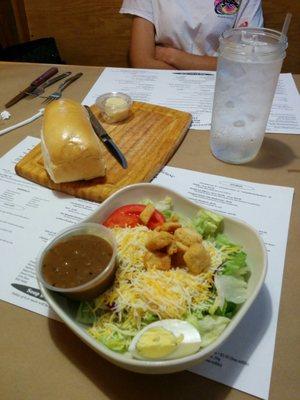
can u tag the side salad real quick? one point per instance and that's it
(170, 268)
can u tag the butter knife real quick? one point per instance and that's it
(106, 139)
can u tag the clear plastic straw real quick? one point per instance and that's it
(286, 25)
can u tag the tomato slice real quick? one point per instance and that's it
(129, 216)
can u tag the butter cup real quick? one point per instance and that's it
(95, 286)
(113, 113)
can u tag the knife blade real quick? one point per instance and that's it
(34, 84)
(106, 139)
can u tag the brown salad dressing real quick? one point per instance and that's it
(76, 260)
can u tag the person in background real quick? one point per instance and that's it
(183, 34)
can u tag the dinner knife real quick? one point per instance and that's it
(106, 139)
(37, 82)
(41, 88)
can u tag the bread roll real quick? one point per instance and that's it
(70, 147)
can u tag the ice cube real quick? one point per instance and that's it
(229, 104)
(236, 70)
(251, 117)
(239, 124)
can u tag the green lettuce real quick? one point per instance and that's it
(163, 205)
(234, 258)
(115, 334)
(209, 327)
(208, 224)
(227, 248)
(85, 313)
(149, 317)
(230, 289)
(228, 310)
(236, 266)
(184, 220)
(115, 341)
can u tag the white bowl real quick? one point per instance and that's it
(237, 230)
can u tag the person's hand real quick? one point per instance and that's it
(145, 53)
(180, 59)
(166, 54)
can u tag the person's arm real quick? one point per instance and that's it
(181, 60)
(142, 46)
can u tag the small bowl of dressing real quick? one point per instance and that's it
(79, 262)
(114, 106)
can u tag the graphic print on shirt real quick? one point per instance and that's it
(227, 7)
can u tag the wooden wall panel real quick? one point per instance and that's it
(21, 23)
(92, 32)
(89, 32)
(274, 14)
(8, 30)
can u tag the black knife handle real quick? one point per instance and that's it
(45, 76)
(115, 151)
(17, 98)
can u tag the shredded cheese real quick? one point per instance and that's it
(136, 290)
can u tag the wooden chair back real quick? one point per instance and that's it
(87, 32)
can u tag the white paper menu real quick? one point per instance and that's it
(31, 214)
(245, 360)
(192, 91)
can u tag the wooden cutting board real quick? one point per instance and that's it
(148, 139)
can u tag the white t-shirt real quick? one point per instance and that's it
(195, 25)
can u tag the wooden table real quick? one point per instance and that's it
(41, 359)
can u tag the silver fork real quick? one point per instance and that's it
(57, 94)
(41, 88)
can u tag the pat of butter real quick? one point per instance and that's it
(116, 109)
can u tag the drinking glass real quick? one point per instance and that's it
(249, 65)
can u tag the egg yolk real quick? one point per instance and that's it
(157, 343)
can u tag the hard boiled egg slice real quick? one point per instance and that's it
(165, 340)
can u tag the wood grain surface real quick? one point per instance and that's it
(41, 359)
(148, 139)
